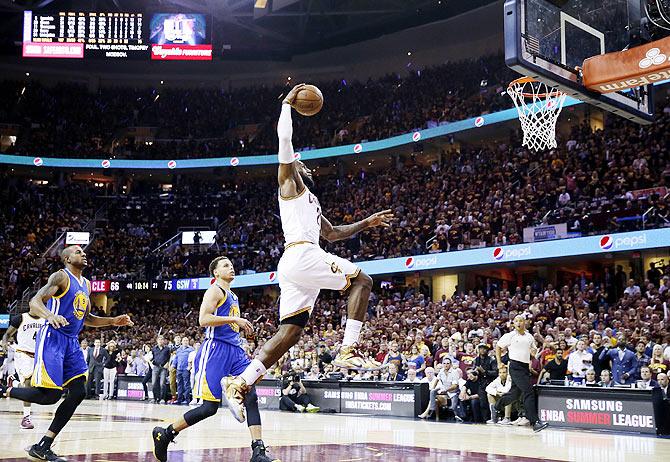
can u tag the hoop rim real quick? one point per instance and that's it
(526, 79)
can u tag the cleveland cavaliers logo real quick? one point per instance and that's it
(80, 304)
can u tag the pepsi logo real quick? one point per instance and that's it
(172, 164)
(479, 121)
(606, 242)
(211, 281)
(38, 161)
(498, 253)
(296, 156)
(273, 276)
(409, 263)
(416, 136)
(234, 161)
(105, 163)
(358, 148)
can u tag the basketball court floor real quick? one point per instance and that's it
(119, 431)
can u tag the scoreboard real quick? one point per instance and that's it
(78, 35)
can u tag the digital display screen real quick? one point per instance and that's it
(180, 36)
(79, 35)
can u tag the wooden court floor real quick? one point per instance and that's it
(119, 431)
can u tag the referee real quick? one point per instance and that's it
(520, 346)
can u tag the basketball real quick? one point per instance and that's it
(308, 101)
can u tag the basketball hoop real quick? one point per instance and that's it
(538, 106)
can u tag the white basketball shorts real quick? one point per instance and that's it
(24, 364)
(303, 271)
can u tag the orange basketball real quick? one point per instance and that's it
(308, 101)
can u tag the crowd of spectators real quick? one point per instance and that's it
(67, 120)
(457, 202)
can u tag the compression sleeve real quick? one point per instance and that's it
(285, 133)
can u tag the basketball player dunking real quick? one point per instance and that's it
(59, 362)
(305, 268)
(220, 355)
(25, 326)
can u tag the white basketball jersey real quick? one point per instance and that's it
(301, 218)
(27, 333)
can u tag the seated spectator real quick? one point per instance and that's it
(645, 382)
(658, 364)
(393, 375)
(469, 398)
(496, 389)
(314, 373)
(412, 376)
(449, 378)
(590, 378)
(606, 379)
(556, 369)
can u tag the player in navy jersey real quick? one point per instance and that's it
(219, 357)
(59, 362)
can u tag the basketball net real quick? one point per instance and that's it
(538, 106)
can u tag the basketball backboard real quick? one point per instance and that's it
(550, 39)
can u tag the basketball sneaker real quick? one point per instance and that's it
(234, 390)
(36, 452)
(350, 357)
(161, 442)
(26, 423)
(312, 408)
(260, 453)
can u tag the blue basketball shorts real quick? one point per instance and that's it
(58, 359)
(214, 361)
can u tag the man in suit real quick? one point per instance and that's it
(624, 363)
(84, 349)
(661, 399)
(606, 379)
(97, 358)
(646, 382)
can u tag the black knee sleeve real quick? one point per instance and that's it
(77, 390)
(207, 409)
(43, 396)
(251, 405)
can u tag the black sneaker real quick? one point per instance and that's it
(161, 443)
(260, 454)
(38, 453)
(539, 426)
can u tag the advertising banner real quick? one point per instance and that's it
(636, 240)
(545, 232)
(598, 409)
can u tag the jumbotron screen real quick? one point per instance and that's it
(79, 35)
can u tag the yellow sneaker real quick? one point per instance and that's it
(234, 391)
(350, 357)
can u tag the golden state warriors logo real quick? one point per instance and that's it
(235, 311)
(80, 304)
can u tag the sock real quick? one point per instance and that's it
(253, 372)
(351, 332)
(26, 411)
(172, 433)
(45, 443)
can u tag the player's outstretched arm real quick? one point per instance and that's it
(56, 283)
(207, 318)
(290, 182)
(103, 321)
(337, 233)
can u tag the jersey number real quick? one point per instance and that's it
(235, 311)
